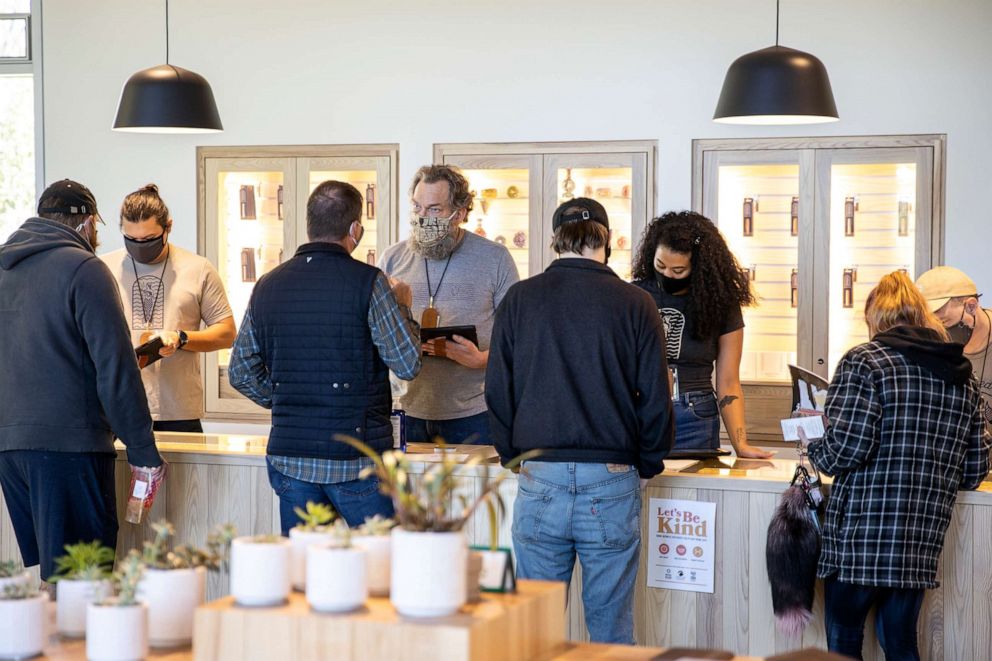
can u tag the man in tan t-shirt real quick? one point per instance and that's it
(953, 297)
(170, 293)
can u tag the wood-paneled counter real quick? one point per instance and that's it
(215, 479)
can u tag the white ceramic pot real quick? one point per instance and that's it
(300, 540)
(172, 596)
(22, 627)
(116, 633)
(336, 578)
(259, 571)
(71, 602)
(428, 572)
(378, 559)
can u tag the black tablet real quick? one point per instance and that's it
(448, 332)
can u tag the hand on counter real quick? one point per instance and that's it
(748, 451)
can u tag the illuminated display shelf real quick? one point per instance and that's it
(818, 222)
(252, 217)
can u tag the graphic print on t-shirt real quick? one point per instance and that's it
(148, 303)
(674, 325)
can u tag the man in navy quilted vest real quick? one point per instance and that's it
(321, 334)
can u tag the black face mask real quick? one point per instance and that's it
(961, 332)
(674, 285)
(147, 250)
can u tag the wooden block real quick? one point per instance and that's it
(501, 627)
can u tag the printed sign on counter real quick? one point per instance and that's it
(680, 546)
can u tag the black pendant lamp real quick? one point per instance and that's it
(167, 99)
(776, 85)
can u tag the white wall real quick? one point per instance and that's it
(417, 72)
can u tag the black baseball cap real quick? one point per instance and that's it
(581, 208)
(71, 196)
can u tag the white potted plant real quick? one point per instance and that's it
(314, 528)
(12, 572)
(83, 576)
(174, 583)
(336, 573)
(429, 546)
(23, 614)
(374, 537)
(117, 627)
(260, 570)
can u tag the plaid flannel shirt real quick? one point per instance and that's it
(395, 334)
(901, 443)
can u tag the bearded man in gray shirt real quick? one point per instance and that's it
(458, 279)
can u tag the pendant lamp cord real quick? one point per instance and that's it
(167, 31)
(776, 19)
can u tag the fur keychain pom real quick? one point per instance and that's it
(791, 554)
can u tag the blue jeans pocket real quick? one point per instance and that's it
(703, 406)
(280, 483)
(528, 512)
(619, 518)
(362, 489)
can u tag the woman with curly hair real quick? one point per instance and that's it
(685, 264)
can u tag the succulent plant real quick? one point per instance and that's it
(84, 561)
(10, 568)
(315, 518)
(156, 553)
(426, 504)
(125, 580)
(376, 526)
(340, 535)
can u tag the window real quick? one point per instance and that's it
(17, 115)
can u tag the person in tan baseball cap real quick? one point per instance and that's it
(953, 297)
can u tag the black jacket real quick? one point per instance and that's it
(68, 376)
(577, 370)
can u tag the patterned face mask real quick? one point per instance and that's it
(430, 230)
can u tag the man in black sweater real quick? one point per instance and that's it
(69, 381)
(577, 370)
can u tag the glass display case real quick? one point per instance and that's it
(252, 217)
(816, 222)
(518, 186)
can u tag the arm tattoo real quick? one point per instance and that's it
(725, 401)
(741, 435)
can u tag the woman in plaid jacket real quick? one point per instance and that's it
(906, 433)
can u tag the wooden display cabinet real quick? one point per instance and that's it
(518, 186)
(251, 216)
(817, 222)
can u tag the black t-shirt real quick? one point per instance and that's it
(694, 358)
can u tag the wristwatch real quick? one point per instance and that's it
(183, 338)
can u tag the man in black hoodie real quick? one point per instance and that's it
(577, 370)
(69, 381)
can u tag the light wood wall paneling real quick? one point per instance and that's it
(958, 585)
(762, 632)
(981, 569)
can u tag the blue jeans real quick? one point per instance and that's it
(354, 501)
(896, 614)
(563, 509)
(473, 430)
(697, 420)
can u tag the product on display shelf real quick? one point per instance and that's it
(513, 192)
(520, 239)
(850, 206)
(247, 265)
(370, 202)
(603, 192)
(247, 202)
(568, 186)
(501, 240)
(279, 202)
(748, 229)
(478, 228)
(489, 193)
(904, 219)
(370, 257)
